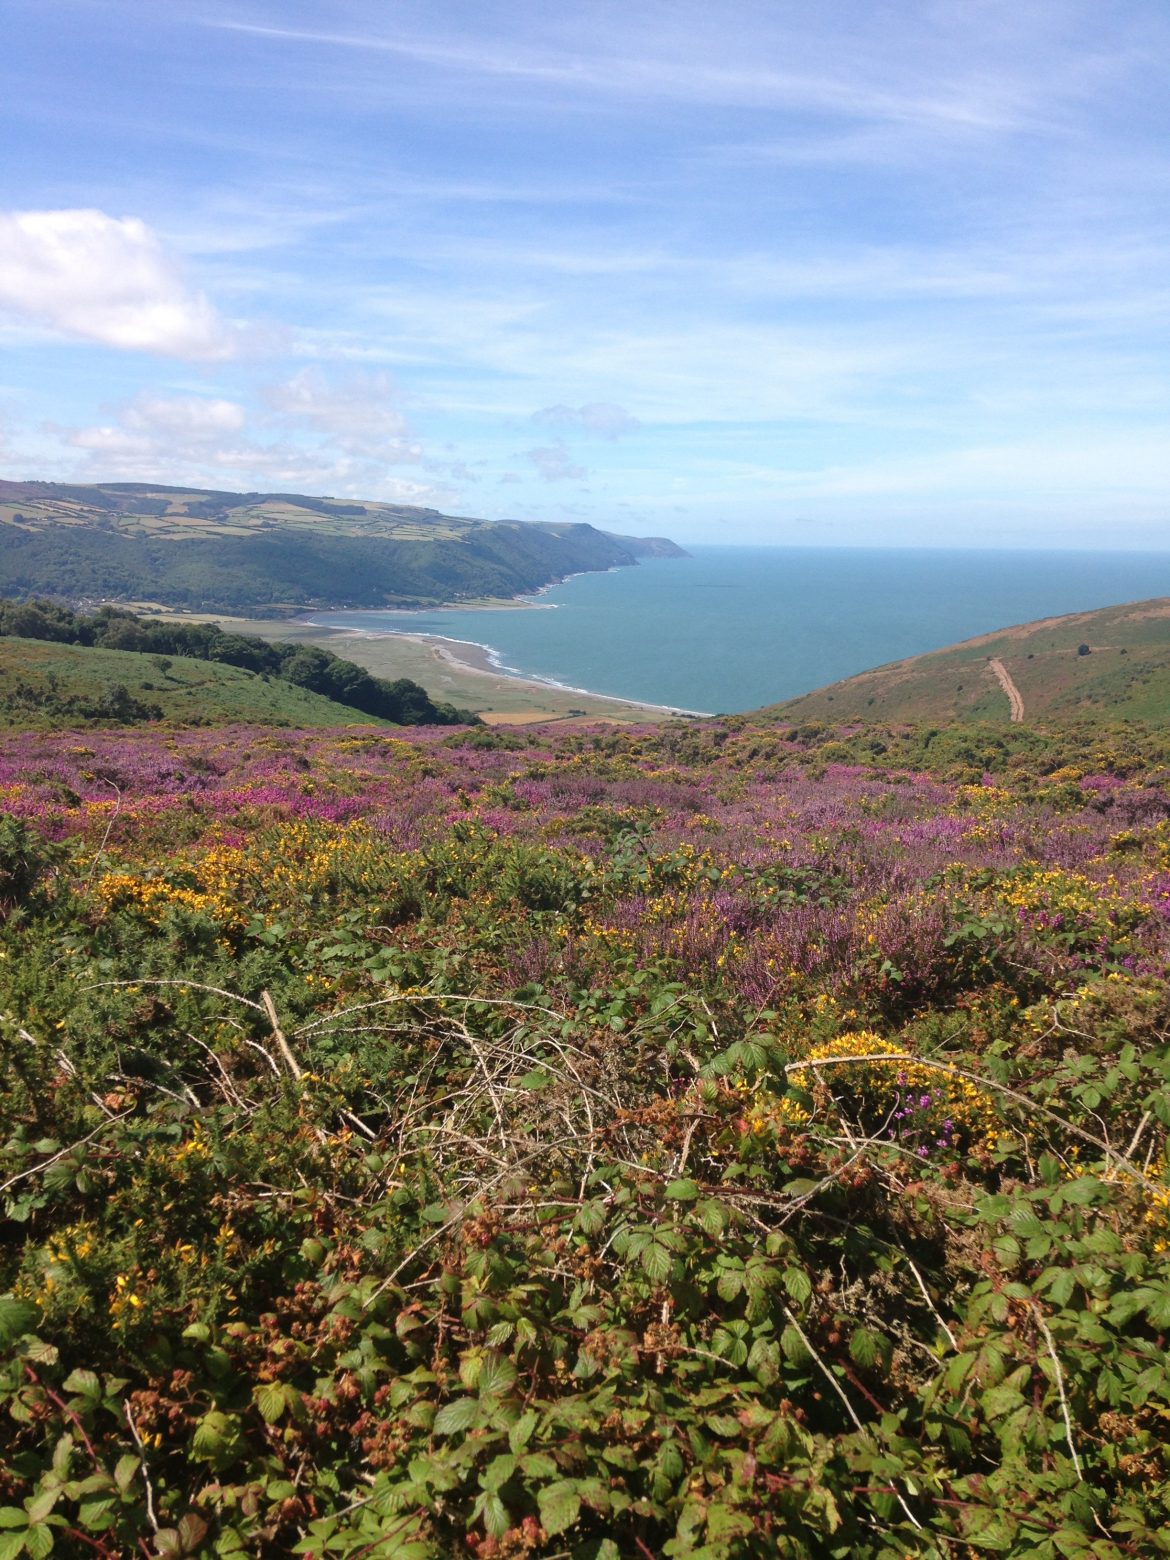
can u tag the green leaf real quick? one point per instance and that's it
(798, 1284)
(521, 1432)
(495, 1516)
(12, 1544)
(271, 1399)
(125, 1471)
(13, 1517)
(16, 1318)
(560, 1506)
(95, 1515)
(84, 1382)
(38, 1541)
(497, 1375)
(656, 1263)
(41, 1505)
(63, 1456)
(864, 1347)
(537, 1465)
(997, 1401)
(590, 1217)
(1158, 1309)
(729, 1284)
(764, 1361)
(38, 1352)
(682, 1191)
(713, 1217)
(498, 1472)
(1060, 1284)
(456, 1416)
(214, 1437)
(793, 1346)
(1084, 1189)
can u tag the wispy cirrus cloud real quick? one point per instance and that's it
(603, 418)
(358, 413)
(555, 464)
(649, 62)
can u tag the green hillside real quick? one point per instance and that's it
(206, 550)
(45, 685)
(1113, 663)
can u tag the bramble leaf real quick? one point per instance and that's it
(560, 1506)
(457, 1415)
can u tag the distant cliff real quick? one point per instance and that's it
(649, 546)
(202, 549)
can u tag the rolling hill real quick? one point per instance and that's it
(45, 686)
(1113, 663)
(203, 549)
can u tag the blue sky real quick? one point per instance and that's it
(826, 273)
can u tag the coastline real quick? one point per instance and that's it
(452, 671)
(479, 660)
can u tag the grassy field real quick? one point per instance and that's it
(1125, 674)
(39, 680)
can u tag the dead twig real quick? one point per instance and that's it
(282, 1044)
(150, 1513)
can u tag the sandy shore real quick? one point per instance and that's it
(452, 671)
(458, 659)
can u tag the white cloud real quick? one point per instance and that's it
(554, 464)
(105, 279)
(205, 441)
(601, 417)
(357, 414)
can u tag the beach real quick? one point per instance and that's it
(452, 671)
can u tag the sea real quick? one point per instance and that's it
(732, 628)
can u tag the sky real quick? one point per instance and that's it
(838, 272)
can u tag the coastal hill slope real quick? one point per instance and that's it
(46, 686)
(1111, 663)
(205, 549)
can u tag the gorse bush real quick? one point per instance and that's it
(666, 1143)
(25, 859)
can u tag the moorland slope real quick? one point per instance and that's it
(1113, 663)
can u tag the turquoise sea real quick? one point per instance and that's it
(731, 628)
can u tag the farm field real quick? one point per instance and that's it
(710, 1140)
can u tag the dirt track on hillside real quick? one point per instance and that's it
(1005, 682)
